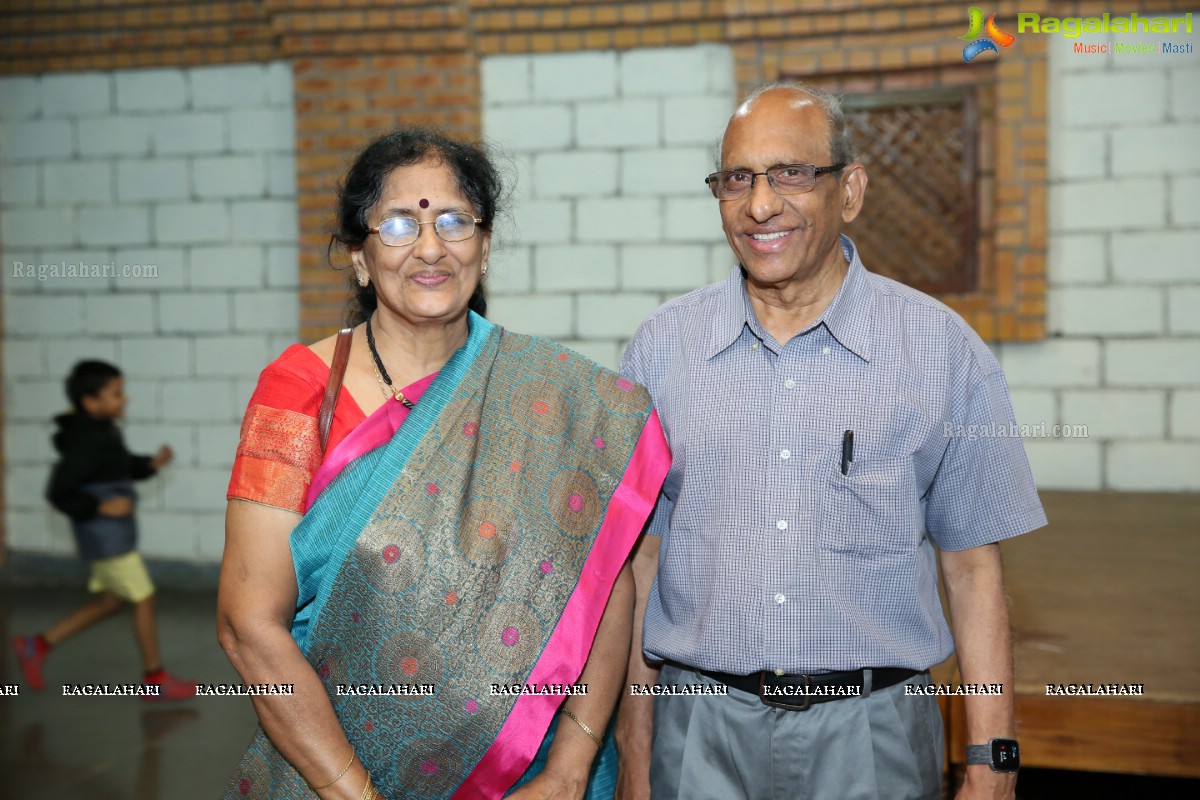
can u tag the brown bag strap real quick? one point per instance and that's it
(337, 371)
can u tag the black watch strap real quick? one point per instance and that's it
(979, 754)
(1002, 755)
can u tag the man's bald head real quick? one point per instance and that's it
(841, 148)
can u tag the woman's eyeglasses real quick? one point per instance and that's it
(453, 226)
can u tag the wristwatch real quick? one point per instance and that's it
(1002, 755)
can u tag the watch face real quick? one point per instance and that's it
(1006, 756)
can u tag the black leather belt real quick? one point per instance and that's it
(800, 692)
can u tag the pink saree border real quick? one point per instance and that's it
(569, 645)
(374, 431)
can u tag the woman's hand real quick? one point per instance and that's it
(256, 602)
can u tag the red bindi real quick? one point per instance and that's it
(424, 203)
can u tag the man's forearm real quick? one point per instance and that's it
(983, 640)
(635, 715)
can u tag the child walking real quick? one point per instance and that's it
(92, 483)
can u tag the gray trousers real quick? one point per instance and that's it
(883, 745)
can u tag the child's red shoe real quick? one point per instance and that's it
(172, 688)
(31, 654)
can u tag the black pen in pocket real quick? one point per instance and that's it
(847, 450)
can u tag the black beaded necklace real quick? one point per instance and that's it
(381, 373)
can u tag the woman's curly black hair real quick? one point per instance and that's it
(476, 176)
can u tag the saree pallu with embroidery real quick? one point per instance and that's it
(476, 545)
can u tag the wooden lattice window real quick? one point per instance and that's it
(920, 222)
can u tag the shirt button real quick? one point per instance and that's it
(789, 383)
(780, 599)
(782, 524)
(754, 346)
(785, 454)
(779, 671)
(825, 351)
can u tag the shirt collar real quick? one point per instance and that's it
(848, 317)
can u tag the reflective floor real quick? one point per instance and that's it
(86, 748)
(82, 748)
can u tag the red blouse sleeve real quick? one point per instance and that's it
(279, 450)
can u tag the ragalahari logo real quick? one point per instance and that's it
(994, 36)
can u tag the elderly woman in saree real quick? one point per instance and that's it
(466, 524)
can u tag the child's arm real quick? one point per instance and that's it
(142, 467)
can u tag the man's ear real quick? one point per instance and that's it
(854, 190)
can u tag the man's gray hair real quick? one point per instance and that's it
(841, 146)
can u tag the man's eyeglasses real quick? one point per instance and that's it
(784, 179)
(453, 226)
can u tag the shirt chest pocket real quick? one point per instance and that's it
(872, 510)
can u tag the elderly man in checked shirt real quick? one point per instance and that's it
(786, 552)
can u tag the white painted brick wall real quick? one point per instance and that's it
(20, 185)
(37, 227)
(65, 182)
(1184, 310)
(1124, 275)
(224, 87)
(1154, 362)
(189, 175)
(1154, 466)
(1034, 406)
(619, 219)
(529, 128)
(511, 268)
(1117, 414)
(1169, 256)
(115, 225)
(1091, 99)
(1102, 310)
(1066, 465)
(574, 76)
(1077, 258)
(20, 97)
(1185, 200)
(35, 140)
(551, 315)
(507, 79)
(576, 173)
(1124, 204)
(667, 268)
(1185, 414)
(114, 136)
(192, 223)
(541, 222)
(613, 316)
(674, 171)
(152, 179)
(673, 71)
(611, 216)
(567, 267)
(230, 176)
(151, 90)
(622, 123)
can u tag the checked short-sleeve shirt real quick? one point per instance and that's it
(770, 557)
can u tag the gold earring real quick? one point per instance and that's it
(363, 280)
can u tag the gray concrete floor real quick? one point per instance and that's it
(84, 748)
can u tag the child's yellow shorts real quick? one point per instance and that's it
(125, 576)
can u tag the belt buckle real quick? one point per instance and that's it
(806, 699)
